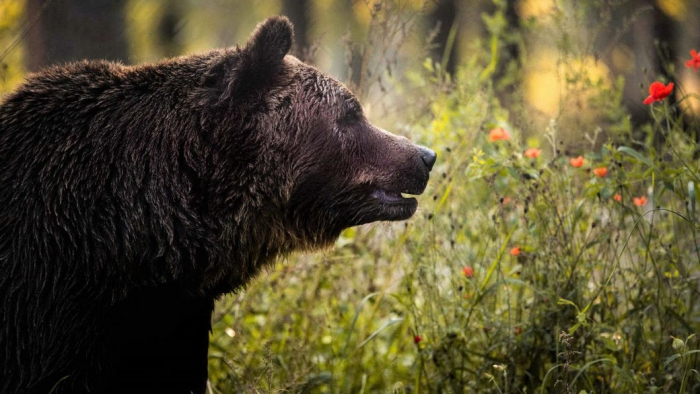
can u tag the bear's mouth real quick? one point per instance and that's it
(394, 198)
(395, 205)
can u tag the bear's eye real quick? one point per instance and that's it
(352, 112)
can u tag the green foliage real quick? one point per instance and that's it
(599, 295)
(575, 288)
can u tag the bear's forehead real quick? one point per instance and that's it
(320, 86)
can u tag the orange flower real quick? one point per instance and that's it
(658, 92)
(515, 251)
(601, 172)
(533, 152)
(617, 197)
(468, 272)
(577, 162)
(499, 134)
(694, 62)
(639, 201)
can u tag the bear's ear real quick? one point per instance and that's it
(252, 66)
(268, 45)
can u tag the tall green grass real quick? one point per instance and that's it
(570, 286)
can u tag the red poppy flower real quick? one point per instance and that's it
(601, 172)
(694, 62)
(639, 201)
(658, 92)
(533, 152)
(617, 198)
(515, 251)
(499, 134)
(417, 339)
(577, 162)
(468, 272)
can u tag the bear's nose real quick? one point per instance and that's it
(429, 156)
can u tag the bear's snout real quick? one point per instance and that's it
(428, 156)
(413, 174)
(401, 172)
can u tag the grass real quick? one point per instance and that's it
(517, 275)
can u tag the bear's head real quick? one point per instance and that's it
(321, 165)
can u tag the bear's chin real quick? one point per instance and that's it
(398, 211)
(387, 207)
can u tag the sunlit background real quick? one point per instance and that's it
(628, 38)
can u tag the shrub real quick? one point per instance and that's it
(542, 259)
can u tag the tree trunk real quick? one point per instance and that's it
(510, 51)
(444, 16)
(649, 27)
(169, 27)
(298, 12)
(68, 30)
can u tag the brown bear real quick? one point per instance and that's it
(132, 197)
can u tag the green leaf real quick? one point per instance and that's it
(513, 172)
(443, 200)
(563, 301)
(494, 264)
(357, 315)
(573, 329)
(671, 359)
(386, 324)
(631, 152)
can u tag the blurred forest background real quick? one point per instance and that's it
(630, 38)
(526, 269)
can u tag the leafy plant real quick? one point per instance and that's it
(543, 258)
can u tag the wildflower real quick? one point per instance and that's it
(658, 92)
(533, 152)
(639, 201)
(617, 197)
(577, 162)
(499, 134)
(515, 251)
(601, 172)
(468, 272)
(417, 339)
(694, 62)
